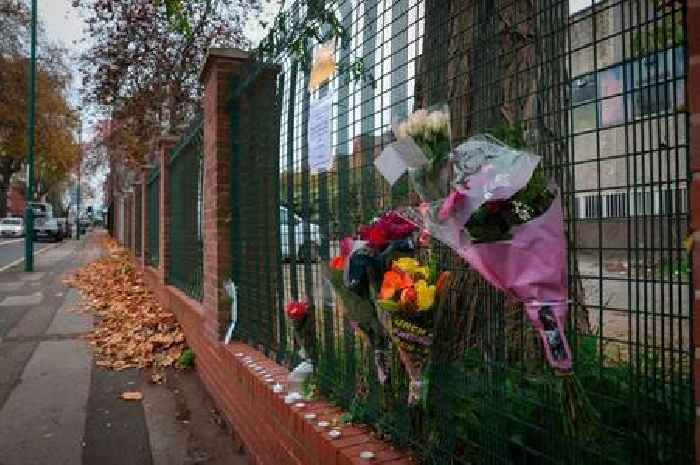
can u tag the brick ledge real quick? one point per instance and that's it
(273, 432)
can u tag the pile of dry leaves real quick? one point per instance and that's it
(131, 328)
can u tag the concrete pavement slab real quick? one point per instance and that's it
(22, 300)
(44, 421)
(168, 438)
(35, 276)
(6, 288)
(68, 319)
(13, 357)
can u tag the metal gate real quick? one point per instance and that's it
(596, 88)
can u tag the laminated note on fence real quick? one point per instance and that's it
(319, 136)
(398, 158)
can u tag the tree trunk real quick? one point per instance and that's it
(498, 63)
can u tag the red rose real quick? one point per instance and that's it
(297, 311)
(390, 227)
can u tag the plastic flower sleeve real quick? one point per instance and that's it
(531, 264)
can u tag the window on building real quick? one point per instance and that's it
(654, 85)
(623, 204)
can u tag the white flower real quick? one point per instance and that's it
(417, 123)
(523, 211)
(438, 122)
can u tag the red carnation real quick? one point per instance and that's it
(297, 311)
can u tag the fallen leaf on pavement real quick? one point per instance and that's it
(157, 378)
(131, 395)
(132, 329)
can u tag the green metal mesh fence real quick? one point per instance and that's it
(153, 224)
(597, 89)
(186, 208)
(254, 205)
(138, 221)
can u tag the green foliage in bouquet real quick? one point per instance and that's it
(493, 220)
(356, 308)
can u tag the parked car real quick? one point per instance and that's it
(84, 225)
(45, 225)
(12, 227)
(64, 227)
(305, 249)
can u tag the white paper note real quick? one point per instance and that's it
(319, 136)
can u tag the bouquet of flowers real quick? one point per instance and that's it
(355, 275)
(422, 148)
(430, 130)
(506, 221)
(404, 303)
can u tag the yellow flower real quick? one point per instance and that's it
(411, 266)
(426, 295)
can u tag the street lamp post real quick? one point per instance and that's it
(29, 212)
(77, 188)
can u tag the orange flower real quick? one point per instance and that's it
(394, 281)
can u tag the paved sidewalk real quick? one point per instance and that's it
(58, 408)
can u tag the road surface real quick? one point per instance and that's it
(12, 250)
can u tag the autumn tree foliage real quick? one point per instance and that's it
(56, 146)
(143, 68)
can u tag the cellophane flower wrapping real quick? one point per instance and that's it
(532, 264)
(405, 305)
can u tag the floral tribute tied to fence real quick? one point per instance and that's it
(419, 191)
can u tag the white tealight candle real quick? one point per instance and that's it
(367, 455)
(334, 434)
(309, 416)
(277, 388)
(239, 354)
(323, 424)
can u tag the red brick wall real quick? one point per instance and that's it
(693, 83)
(273, 433)
(15, 202)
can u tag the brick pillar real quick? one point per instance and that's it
(693, 88)
(165, 145)
(221, 66)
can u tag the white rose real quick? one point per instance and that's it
(435, 122)
(418, 122)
